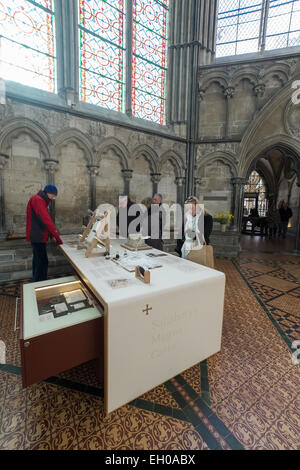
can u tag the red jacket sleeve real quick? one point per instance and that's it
(40, 208)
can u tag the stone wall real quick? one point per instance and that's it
(245, 110)
(90, 162)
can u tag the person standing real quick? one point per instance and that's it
(193, 231)
(285, 214)
(152, 224)
(38, 227)
(158, 221)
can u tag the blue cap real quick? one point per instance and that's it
(50, 188)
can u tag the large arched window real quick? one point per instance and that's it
(149, 63)
(256, 25)
(27, 48)
(102, 58)
(118, 32)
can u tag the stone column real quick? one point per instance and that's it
(228, 93)
(238, 196)
(259, 91)
(127, 176)
(66, 16)
(197, 182)
(93, 172)
(298, 223)
(180, 182)
(51, 167)
(3, 161)
(155, 178)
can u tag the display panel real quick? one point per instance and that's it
(64, 299)
(58, 303)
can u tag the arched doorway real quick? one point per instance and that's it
(273, 177)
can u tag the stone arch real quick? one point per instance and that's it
(227, 158)
(208, 79)
(111, 143)
(25, 173)
(17, 126)
(79, 138)
(279, 71)
(248, 142)
(149, 154)
(284, 143)
(176, 160)
(245, 74)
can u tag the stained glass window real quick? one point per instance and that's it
(27, 42)
(101, 30)
(149, 63)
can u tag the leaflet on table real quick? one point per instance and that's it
(130, 262)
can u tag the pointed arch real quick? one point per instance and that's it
(176, 160)
(250, 149)
(227, 158)
(79, 138)
(17, 126)
(150, 155)
(111, 143)
(283, 143)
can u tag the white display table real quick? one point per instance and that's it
(152, 332)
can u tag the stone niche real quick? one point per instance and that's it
(109, 181)
(72, 181)
(24, 176)
(167, 187)
(242, 108)
(215, 191)
(212, 118)
(140, 184)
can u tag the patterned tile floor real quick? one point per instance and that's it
(244, 397)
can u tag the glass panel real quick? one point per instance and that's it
(63, 299)
(149, 66)
(283, 27)
(27, 52)
(101, 26)
(238, 26)
(255, 185)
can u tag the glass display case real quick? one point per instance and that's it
(61, 327)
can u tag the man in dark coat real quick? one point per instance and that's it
(38, 227)
(125, 217)
(285, 214)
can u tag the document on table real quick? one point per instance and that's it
(74, 296)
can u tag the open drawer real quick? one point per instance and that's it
(62, 326)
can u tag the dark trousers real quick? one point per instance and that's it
(39, 262)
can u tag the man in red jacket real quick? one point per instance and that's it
(38, 227)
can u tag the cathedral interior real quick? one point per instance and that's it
(177, 97)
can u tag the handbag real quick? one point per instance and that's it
(202, 254)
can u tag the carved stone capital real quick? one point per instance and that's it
(155, 177)
(51, 166)
(127, 174)
(201, 94)
(198, 181)
(179, 181)
(259, 90)
(93, 170)
(229, 92)
(3, 160)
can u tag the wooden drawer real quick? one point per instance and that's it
(53, 352)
